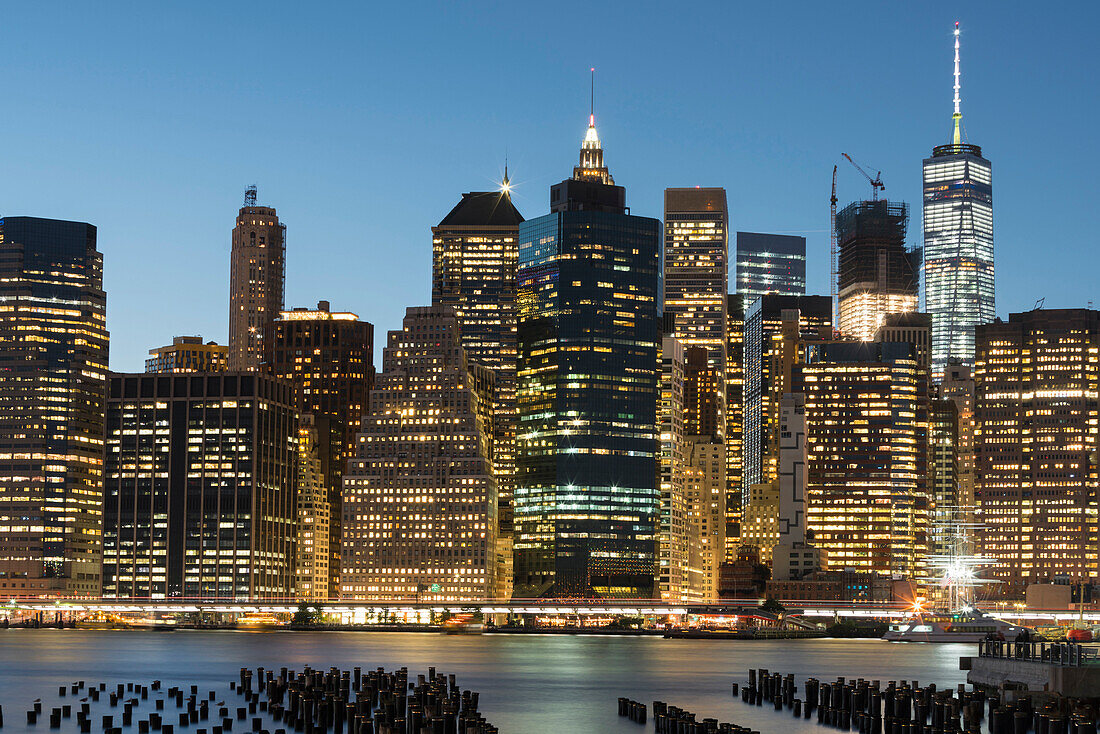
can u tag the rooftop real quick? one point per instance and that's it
(481, 208)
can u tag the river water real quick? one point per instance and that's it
(529, 684)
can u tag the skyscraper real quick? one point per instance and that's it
(586, 502)
(188, 354)
(958, 387)
(868, 500)
(695, 277)
(53, 368)
(770, 263)
(474, 272)
(1037, 377)
(200, 499)
(329, 358)
(792, 556)
(705, 475)
(256, 273)
(696, 267)
(673, 538)
(312, 576)
(943, 473)
(735, 419)
(705, 501)
(774, 327)
(958, 243)
(877, 275)
(420, 498)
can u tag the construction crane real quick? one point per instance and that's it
(876, 182)
(833, 273)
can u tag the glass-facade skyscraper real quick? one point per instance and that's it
(958, 244)
(53, 370)
(586, 500)
(770, 263)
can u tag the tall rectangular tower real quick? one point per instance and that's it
(53, 369)
(770, 263)
(943, 472)
(673, 536)
(200, 499)
(586, 503)
(774, 326)
(1037, 377)
(256, 273)
(474, 257)
(958, 387)
(696, 265)
(958, 243)
(735, 419)
(329, 358)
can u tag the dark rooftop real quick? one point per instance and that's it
(492, 208)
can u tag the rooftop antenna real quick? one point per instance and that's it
(592, 99)
(957, 117)
(1040, 303)
(250, 196)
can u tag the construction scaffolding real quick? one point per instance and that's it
(877, 275)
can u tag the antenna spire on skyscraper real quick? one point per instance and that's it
(592, 99)
(957, 116)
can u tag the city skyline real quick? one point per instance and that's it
(326, 191)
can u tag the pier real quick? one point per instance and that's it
(1035, 668)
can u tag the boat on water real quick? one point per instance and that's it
(956, 579)
(970, 625)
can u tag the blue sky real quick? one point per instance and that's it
(362, 123)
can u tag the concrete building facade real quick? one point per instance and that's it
(200, 497)
(256, 277)
(420, 497)
(188, 354)
(1036, 413)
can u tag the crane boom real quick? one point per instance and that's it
(876, 182)
(833, 274)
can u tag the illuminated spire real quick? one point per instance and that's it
(591, 166)
(957, 117)
(506, 184)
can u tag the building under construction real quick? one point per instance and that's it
(876, 274)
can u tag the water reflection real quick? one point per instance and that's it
(528, 683)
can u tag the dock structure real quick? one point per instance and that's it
(1035, 668)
